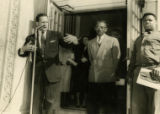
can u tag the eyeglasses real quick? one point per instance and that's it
(101, 27)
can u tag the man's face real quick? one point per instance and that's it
(149, 23)
(101, 28)
(43, 21)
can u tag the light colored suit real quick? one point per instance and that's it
(104, 59)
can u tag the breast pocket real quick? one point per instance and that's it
(53, 45)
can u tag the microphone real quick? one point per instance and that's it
(30, 57)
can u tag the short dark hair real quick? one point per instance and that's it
(82, 37)
(40, 15)
(146, 14)
(103, 21)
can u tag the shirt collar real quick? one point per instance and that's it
(44, 33)
(100, 39)
(147, 33)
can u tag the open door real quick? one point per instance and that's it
(56, 23)
(133, 31)
(56, 17)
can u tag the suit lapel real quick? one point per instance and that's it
(95, 47)
(101, 49)
(47, 37)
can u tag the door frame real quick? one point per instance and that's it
(129, 33)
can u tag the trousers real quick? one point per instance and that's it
(46, 95)
(142, 97)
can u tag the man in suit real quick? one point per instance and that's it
(47, 76)
(104, 54)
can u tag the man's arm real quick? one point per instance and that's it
(27, 47)
(131, 66)
(89, 52)
(116, 53)
(30, 41)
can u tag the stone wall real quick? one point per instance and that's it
(16, 23)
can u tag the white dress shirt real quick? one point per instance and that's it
(100, 39)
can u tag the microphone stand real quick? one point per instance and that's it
(33, 74)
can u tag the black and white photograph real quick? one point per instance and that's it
(80, 57)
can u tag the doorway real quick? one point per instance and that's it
(82, 24)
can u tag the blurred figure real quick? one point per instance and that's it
(67, 61)
(80, 73)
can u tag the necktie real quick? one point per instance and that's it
(99, 42)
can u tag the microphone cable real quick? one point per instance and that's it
(14, 92)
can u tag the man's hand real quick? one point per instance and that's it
(71, 61)
(83, 60)
(71, 39)
(155, 74)
(28, 47)
(129, 80)
(38, 30)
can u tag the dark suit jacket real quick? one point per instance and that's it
(48, 63)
